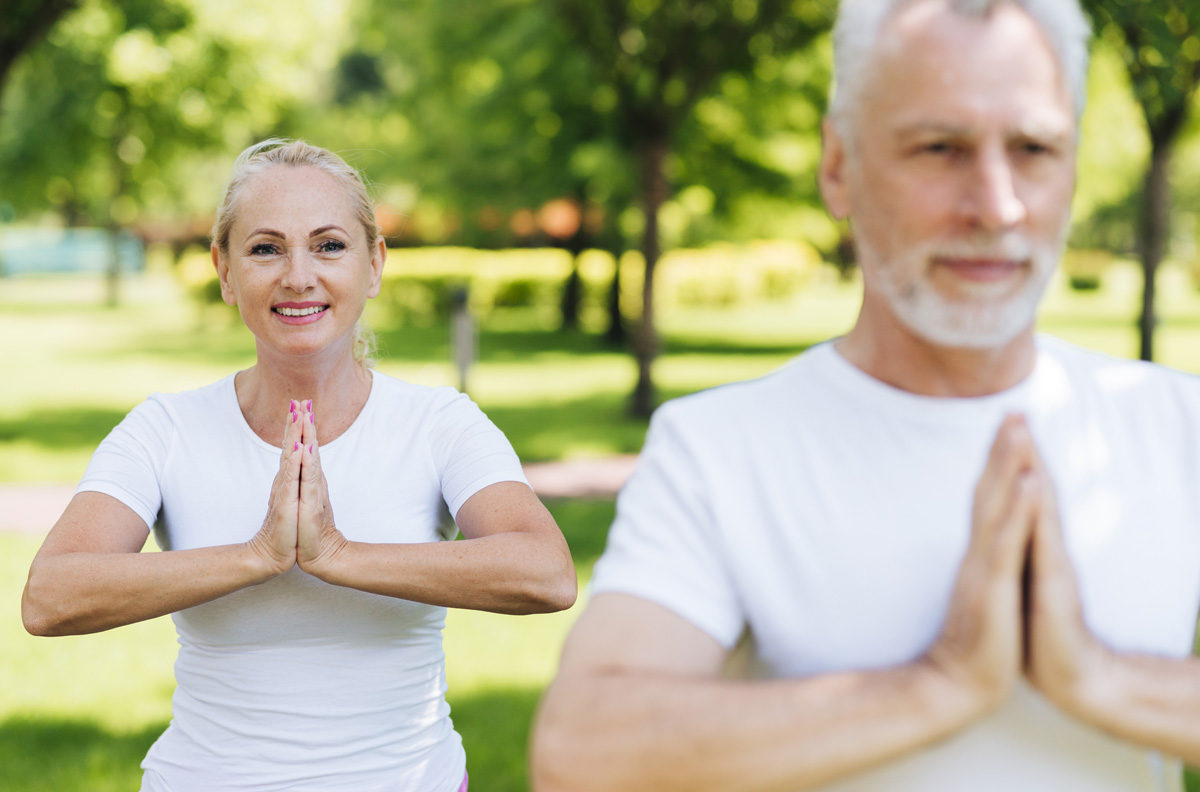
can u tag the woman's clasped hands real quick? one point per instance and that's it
(299, 527)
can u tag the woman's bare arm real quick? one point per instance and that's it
(90, 575)
(513, 559)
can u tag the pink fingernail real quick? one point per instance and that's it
(310, 449)
(297, 446)
(292, 406)
(294, 417)
(310, 418)
(310, 405)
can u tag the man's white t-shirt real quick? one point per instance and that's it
(825, 514)
(294, 684)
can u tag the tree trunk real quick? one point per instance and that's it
(1154, 233)
(654, 193)
(616, 322)
(572, 291)
(112, 289)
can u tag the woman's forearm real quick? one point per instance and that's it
(512, 572)
(73, 593)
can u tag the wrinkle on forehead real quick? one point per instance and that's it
(932, 30)
(937, 49)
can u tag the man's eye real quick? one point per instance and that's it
(331, 246)
(264, 249)
(939, 148)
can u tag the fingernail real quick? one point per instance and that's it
(310, 448)
(293, 417)
(297, 446)
(310, 418)
(310, 405)
(292, 406)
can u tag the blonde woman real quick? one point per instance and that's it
(300, 501)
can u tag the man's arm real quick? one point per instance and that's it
(639, 705)
(1149, 700)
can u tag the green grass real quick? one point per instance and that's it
(79, 713)
(73, 368)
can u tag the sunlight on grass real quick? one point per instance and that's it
(557, 395)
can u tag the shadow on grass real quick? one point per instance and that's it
(61, 755)
(68, 427)
(495, 725)
(596, 425)
(680, 345)
(585, 525)
(432, 344)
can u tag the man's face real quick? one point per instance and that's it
(959, 176)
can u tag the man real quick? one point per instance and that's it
(967, 557)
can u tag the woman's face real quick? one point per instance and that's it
(299, 267)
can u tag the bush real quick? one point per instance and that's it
(1085, 268)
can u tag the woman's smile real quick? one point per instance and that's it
(294, 313)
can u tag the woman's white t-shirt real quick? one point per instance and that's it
(295, 684)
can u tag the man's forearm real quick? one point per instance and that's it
(1149, 700)
(633, 731)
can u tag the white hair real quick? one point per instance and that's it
(860, 24)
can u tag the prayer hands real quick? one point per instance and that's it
(1063, 659)
(980, 648)
(299, 526)
(997, 628)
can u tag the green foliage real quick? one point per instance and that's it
(1160, 44)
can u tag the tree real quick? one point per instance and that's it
(659, 59)
(503, 127)
(1160, 43)
(26, 22)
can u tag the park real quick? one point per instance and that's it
(613, 240)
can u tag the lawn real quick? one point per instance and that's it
(79, 713)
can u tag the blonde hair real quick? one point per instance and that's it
(296, 153)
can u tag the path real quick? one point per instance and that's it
(33, 508)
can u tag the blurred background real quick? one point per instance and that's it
(591, 206)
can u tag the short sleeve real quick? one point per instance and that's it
(468, 451)
(129, 462)
(664, 545)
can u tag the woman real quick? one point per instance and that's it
(301, 501)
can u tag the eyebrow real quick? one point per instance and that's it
(1032, 131)
(315, 233)
(325, 228)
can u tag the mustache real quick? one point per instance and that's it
(1010, 247)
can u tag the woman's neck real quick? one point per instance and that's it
(338, 388)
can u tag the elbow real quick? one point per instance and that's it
(36, 620)
(39, 617)
(561, 594)
(556, 593)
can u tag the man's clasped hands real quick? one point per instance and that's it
(299, 527)
(1016, 608)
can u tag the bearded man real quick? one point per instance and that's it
(962, 555)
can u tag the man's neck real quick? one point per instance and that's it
(893, 354)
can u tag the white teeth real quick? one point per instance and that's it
(301, 311)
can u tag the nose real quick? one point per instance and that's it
(299, 273)
(994, 200)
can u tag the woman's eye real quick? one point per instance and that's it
(331, 246)
(264, 249)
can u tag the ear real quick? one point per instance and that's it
(832, 176)
(378, 257)
(222, 265)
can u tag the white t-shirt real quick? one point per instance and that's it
(826, 513)
(295, 684)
